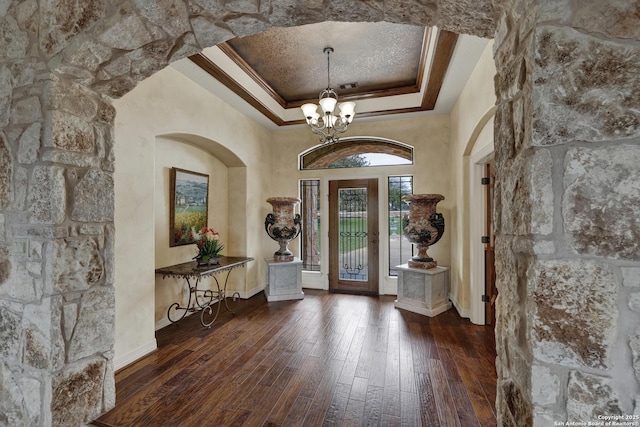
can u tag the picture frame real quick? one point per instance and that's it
(189, 209)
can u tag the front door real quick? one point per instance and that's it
(354, 238)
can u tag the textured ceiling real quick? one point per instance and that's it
(377, 56)
(401, 70)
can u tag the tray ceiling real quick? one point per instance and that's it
(378, 56)
(396, 68)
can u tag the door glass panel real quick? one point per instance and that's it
(352, 232)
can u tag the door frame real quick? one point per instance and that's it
(372, 275)
(478, 203)
(320, 279)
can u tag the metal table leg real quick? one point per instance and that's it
(210, 312)
(193, 304)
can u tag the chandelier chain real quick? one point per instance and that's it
(328, 70)
(327, 123)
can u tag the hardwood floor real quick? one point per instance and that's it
(329, 359)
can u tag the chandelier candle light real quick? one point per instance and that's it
(328, 125)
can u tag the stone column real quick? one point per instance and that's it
(568, 211)
(56, 249)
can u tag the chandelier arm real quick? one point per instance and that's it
(341, 124)
(317, 127)
(319, 131)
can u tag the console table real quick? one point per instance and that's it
(206, 301)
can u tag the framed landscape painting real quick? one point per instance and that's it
(189, 199)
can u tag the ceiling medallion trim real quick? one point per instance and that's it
(443, 52)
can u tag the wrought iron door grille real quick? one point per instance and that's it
(352, 233)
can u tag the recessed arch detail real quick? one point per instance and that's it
(321, 156)
(227, 156)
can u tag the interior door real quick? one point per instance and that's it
(354, 238)
(489, 249)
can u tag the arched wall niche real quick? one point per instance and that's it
(202, 155)
(225, 154)
(321, 156)
(233, 186)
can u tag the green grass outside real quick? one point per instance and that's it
(353, 243)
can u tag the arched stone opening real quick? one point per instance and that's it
(322, 156)
(568, 232)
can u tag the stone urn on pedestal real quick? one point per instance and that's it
(424, 227)
(282, 226)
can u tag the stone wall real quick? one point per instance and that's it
(56, 237)
(60, 62)
(568, 218)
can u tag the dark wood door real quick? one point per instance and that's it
(489, 249)
(354, 238)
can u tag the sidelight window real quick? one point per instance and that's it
(310, 213)
(400, 249)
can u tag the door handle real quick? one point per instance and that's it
(374, 241)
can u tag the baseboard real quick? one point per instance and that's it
(463, 312)
(132, 356)
(164, 322)
(251, 292)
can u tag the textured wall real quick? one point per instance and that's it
(59, 62)
(170, 104)
(567, 218)
(567, 128)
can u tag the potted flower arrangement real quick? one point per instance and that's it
(209, 247)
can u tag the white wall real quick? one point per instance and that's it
(470, 115)
(168, 104)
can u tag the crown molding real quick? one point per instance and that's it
(445, 45)
(443, 52)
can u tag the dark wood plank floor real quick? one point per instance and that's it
(330, 359)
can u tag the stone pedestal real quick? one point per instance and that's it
(284, 280)
(423, 291)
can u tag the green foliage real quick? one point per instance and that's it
(398, 187)
(355, 161)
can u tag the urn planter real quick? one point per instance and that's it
(282, 226)
(424, 227)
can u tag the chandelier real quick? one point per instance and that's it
(328, 125)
